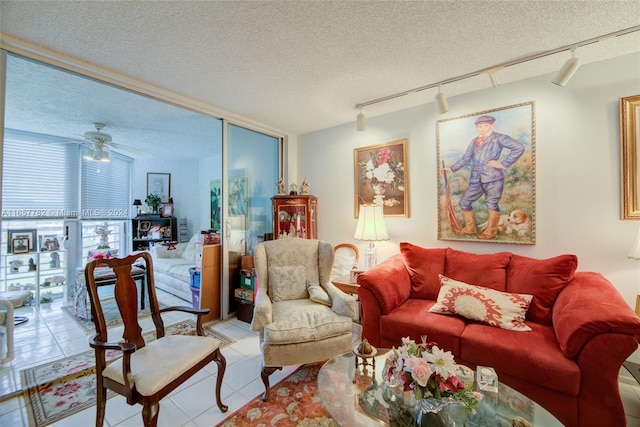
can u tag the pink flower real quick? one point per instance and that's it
(420, 370)
(383, 156)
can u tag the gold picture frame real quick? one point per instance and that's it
(629, 148)
(381, 177)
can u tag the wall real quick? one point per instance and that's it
(184, 186)
(578, 170)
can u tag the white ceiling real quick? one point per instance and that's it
(295, 66)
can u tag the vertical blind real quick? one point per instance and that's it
(37, 179)
(42, 180)
(105, 187)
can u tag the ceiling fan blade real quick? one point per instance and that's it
(126, 149)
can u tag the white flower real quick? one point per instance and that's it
(441, 362)
(383, 173)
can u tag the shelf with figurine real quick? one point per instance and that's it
(295, 215)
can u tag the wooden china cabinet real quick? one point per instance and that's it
(295, 216)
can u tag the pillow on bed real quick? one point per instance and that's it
(486, 305)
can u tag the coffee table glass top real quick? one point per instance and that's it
(367, 401)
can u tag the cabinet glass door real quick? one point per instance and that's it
(251, 176)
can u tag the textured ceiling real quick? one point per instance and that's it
(302, 66)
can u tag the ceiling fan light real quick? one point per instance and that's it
(89, 154)
(105, 156)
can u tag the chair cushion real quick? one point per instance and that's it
(156, 364)
(17, 298)
(542, 278)
(488, 270)
(495, 308)
(287, 283)
(317, 294)
(303, 320)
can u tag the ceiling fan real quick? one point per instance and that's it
(101, 143)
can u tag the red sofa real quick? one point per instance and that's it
(582, 328)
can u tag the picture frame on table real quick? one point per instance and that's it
(487, 176)
(381, 177)
(629, 149)
(29, 233)
(167, 210)
(160, 185)
(20, 245)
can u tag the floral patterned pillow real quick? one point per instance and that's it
(495, 308)
(287, 283)
(317, 294)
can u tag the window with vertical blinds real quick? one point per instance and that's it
(39, 180)
(105, 187)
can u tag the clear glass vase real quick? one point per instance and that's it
(432, 412)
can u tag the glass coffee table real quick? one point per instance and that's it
(363, 399)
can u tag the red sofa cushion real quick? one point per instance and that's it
(424, 267)
(489, 270)
(542, 278)
(413, 319)
(532, 356)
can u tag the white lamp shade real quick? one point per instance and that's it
(635, 251)
(566, 72)
(371, 224)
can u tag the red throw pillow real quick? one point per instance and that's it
(489, 270)
(424, 266)
(542, 278)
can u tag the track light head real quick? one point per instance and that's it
(360, 122)
(567, 70)
(441, 102)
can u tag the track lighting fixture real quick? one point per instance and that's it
(441, 102)
(360, 121)
(567, 70)
(560, 79)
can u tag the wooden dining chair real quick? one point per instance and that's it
(146, 372)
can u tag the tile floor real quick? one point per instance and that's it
(58, 336)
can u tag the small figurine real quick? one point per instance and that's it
(281, 186)
(32, 265)
(55, 260)
(304, 187)
(15, 265)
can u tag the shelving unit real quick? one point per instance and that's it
(43, 273)
(143, 235)
(208, 263)
(183, 234)
(295, 216)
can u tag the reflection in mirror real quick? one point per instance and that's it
(629, 139)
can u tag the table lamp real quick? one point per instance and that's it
(137, 203)
(371, 228)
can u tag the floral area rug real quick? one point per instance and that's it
(57, 389)
(294, 401)
(111, 314)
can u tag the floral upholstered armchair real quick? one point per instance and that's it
(300, 315)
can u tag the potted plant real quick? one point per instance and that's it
(153, 201)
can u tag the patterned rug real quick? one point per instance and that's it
(111, 314)
(294, 401)
(57, 389)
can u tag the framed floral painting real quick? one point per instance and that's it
(487, 176)
(381, 177)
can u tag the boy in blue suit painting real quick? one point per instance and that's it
(486, 174)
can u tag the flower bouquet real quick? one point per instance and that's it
(429, 372)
